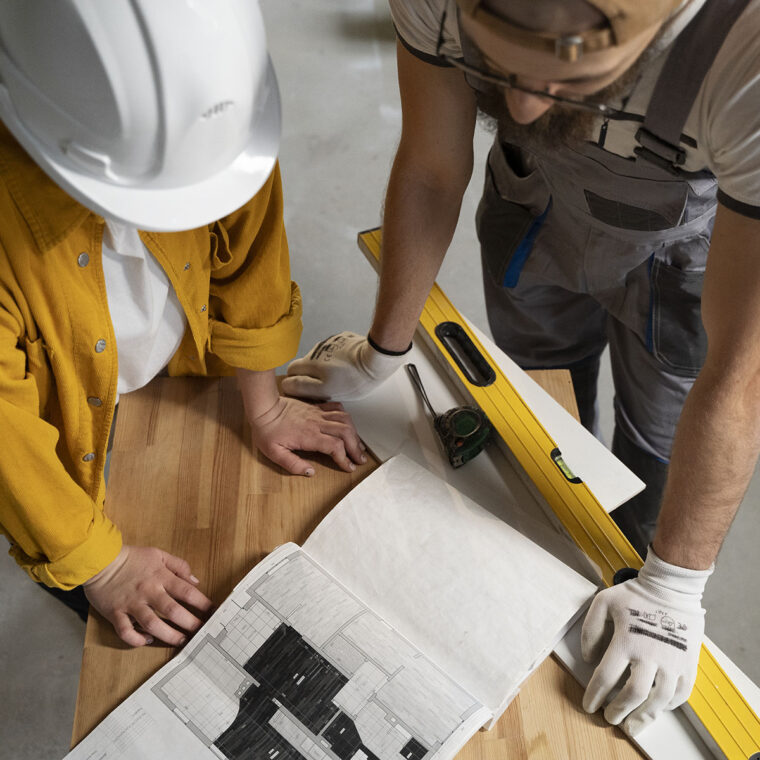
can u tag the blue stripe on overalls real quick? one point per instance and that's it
(520, 256)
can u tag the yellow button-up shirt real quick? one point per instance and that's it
(58, 358)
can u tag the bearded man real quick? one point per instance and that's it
(626, 157)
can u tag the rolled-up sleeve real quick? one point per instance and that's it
(254, 308)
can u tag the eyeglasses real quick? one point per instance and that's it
(509, 82)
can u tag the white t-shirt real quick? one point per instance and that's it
(147, 318)
(725, 117)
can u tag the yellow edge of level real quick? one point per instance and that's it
(716, 701)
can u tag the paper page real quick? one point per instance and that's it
(481, 600)
(291, 666)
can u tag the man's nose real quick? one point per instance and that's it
(524, 107)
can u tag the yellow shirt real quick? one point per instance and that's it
(58, 362)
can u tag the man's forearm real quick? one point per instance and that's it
(714, 455)
(419, 222)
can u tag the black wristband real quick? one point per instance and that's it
(381, 350)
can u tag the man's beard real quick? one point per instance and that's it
(561, 125)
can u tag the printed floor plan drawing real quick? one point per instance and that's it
(300, 668)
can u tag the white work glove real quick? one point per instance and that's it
(657, 623)
(342, 367)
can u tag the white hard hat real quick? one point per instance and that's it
(164, 114)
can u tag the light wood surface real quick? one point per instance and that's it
(183, 477)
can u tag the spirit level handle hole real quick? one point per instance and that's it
(473, 365)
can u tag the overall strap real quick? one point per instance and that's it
(682, 75)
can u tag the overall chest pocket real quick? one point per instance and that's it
(511, 213)
(623, 194)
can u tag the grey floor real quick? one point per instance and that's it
(336, 64)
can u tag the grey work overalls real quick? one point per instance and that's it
(582, 247)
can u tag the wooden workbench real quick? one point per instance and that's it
(183, 477)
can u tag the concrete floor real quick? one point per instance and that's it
(336, 64)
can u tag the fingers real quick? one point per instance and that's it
(170, 609)
(596, 631)
(188, 594)
(331, 406)
(289, 461)
(335, 448)
(151, 623)
(125, 630)
(338, 422)
(634, 693)
(177, 565)
(659, 699)
(683, 690)
(604, 679)
(348, 435)
(303, 386)
(145, 615)
(300, 426)
(181, 568)
(150, 584)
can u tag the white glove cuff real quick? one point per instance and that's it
(682, 580)
(377, 365)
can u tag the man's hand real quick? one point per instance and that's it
(657, 624)
(343, 366)
(142, 586)
(292, 425)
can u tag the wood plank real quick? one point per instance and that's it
(559, 385)
(184, 478)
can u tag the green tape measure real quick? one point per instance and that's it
(463, 430)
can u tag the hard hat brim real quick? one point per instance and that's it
(174, 208)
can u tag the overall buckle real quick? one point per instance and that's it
(659, 152)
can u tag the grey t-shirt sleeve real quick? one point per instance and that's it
(418, 26)
(729, 116)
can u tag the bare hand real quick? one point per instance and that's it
(293, 425)
(142, 586)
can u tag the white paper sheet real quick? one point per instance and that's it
(486, 604)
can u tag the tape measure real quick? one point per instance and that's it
(463, 430)
(715, 700)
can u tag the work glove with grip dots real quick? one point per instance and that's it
(345, 366)
(648, 632)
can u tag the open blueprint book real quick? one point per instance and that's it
(406, 622)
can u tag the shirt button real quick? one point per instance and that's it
(203, 308)
(187, 265)
(100, 346)
(94, 401)
(83, 259)
(88, 457)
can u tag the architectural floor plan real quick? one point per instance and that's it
(297, 667)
